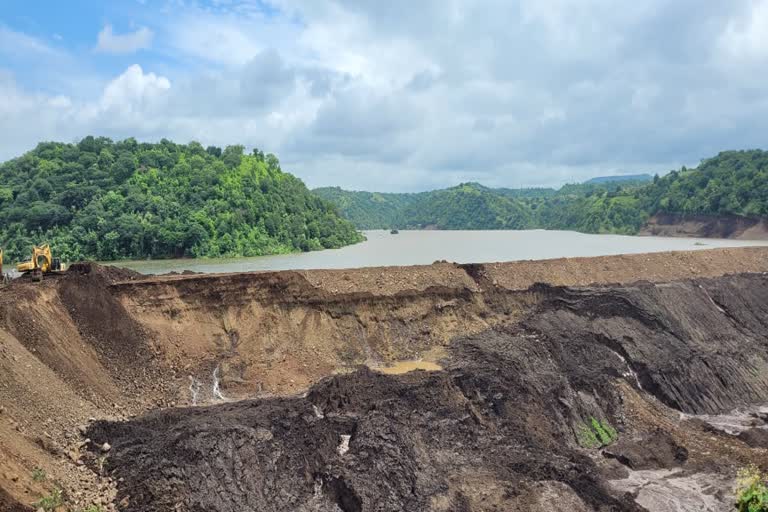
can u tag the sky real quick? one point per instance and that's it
(396, 95)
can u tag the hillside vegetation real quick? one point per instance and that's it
(109, 200)
(732, 183)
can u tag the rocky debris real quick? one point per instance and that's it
(395, 453)
(755, 437)
(674, 490)
(656, 450)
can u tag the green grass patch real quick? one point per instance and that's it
(38, 475)
(52, 501)
(595, 434)
(751, 490)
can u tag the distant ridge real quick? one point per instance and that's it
(620, 178)
(734, 183)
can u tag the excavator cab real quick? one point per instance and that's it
(42, 262)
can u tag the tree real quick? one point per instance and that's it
(233, 155)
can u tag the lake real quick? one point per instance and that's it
(425, 247)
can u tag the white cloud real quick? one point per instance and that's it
(133, 90)
(229, 39)
(15, 44)
(130, 42)
(746, 35)
(388, 95)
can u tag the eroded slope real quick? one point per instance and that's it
(502, 428)
(107, 344)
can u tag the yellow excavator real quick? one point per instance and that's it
(42, 262)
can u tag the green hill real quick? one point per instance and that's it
(109, 200)
(368, 210)
(473, 206)
(732, 183)
(467, 206)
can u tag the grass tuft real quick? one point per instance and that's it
(596, 434)
(751, 490)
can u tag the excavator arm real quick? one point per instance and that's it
(41, 261)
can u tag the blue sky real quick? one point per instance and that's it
(398, 95)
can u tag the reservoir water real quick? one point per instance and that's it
(425, 247)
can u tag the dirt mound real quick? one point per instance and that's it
(101, 318)
(109, 273)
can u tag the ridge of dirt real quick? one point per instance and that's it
(514, 275)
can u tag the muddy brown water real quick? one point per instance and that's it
(402, 367)
(424, 247)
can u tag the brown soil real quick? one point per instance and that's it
(707, 226)
(109, 344)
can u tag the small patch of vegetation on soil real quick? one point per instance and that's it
(92, 508)
(38, 475)
(52, 501)
(596, 434)
(751, 490)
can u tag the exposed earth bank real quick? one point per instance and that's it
(560, 379)
(706, 226)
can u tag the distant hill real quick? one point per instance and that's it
(732, 183)
(639, 178)
(106, 200)
(368, 210)
(466, 206)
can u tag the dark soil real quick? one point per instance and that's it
(8, 504)
(413, 438)
(502, 419)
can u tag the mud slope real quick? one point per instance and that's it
(707, 226)
(107, 344)
(499, 429)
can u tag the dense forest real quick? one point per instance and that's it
(106, 200)
(732, 183)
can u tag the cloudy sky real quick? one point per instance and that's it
(397, 95)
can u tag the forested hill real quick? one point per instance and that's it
(108, 200)
(732, 183)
